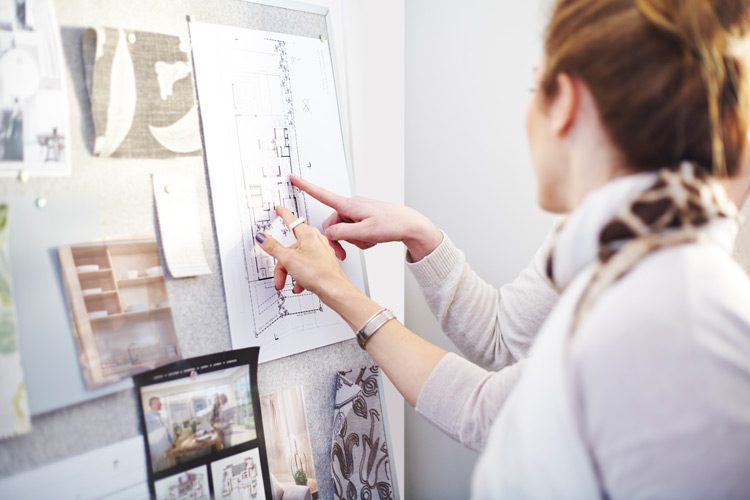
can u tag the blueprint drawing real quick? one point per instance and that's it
(268, 108)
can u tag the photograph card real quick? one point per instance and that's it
(192, 484)
(202, 416)
(290, 455)
(237, 478)
(34, 122)
(118, 302)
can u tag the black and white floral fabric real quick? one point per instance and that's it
(360, 463)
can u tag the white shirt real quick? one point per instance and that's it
(159, 436)
(650, 398)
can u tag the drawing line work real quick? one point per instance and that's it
(263, 110)
(269, 110)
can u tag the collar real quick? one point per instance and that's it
(577, 242)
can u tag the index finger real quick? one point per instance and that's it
(324, 196)
(286, 215)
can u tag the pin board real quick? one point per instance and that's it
(111, 198)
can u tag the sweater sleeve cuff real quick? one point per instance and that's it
(435, 267)
(455, 376)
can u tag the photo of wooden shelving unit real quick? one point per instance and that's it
(119, 307)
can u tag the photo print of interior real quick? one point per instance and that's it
(191, 418)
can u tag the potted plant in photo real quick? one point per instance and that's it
(298, 463)
(300, 478)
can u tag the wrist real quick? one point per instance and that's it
(350, 303)
(423, 238)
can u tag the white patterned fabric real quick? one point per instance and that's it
(142, 94)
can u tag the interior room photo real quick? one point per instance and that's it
(187, 419)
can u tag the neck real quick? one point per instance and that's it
(590, 169)
(738, 189)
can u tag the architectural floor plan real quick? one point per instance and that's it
(268, 107)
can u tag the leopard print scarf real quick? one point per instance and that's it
(668, 213)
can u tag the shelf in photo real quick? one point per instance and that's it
(103, 293)
(142, 280)
(133, 314)
(98, 272)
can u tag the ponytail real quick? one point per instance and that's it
(668, 83)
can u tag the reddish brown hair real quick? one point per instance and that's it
(667, 86)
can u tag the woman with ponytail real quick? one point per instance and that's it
(618, 364)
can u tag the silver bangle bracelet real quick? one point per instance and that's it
(372, 325)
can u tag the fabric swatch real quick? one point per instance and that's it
(142, 94)
(14, 408)
(179, 224)
(360, 463)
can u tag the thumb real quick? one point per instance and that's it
(272, 247)
(347, 231)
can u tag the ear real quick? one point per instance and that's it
(565, 105)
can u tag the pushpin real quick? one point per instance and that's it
(322, 38)
(193, 375)
(131, 38)
(23, 175)
(41, 203)
(167, 188)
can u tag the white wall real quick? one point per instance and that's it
(374, 47)
(468, 72)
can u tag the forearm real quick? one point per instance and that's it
(464, 400)
(406, 358)
(427, 376)
(491, 327)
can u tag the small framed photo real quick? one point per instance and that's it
(202, 427)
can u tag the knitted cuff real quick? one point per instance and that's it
(438, 265)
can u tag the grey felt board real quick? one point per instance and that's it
(121, 191)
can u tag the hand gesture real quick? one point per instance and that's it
(365, 223)
(311, 262)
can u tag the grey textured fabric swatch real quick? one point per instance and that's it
(360, 463)
(142, 94)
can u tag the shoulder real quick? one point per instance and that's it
(677, 296)
(663, 358)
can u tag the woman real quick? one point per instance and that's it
(638, 382)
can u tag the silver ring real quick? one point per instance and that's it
(297, 222)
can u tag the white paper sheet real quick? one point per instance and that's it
(34, 123)
(179, 224)
(268, 108)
